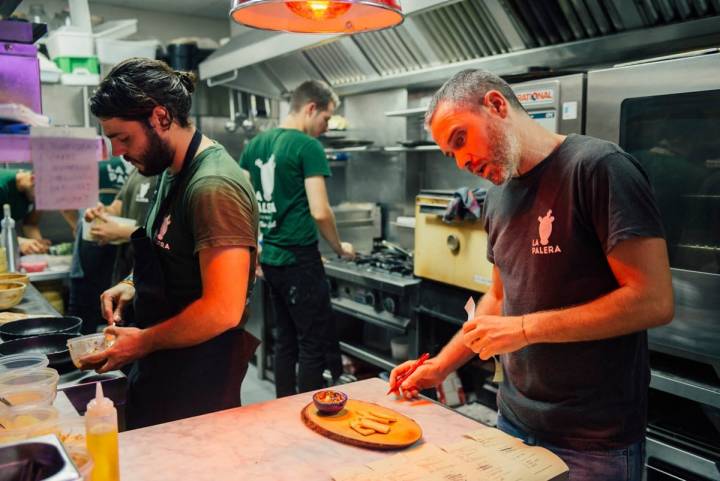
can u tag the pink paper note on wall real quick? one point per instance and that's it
(66, 172)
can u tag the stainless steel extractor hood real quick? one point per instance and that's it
(440, 37)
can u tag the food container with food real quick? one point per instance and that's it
(91, 344)
(82, 460)
(25, 362)
(26, 422)
(71, 431)
(42, 378)
(122, 221)
(11, 293)
(34, 263)
(329, 402)
(27, 396)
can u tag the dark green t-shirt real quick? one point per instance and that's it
(113, 174)
(216, 208)
(20, 206)
(279, 160)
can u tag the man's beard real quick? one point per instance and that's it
(157, 157)
(505, 152)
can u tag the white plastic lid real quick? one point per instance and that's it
(100, 405)
(23, 361)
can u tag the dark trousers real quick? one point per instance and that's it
(306, 333)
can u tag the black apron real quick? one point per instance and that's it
(178, 383)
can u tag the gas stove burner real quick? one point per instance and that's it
(387, 260)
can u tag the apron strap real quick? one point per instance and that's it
(167, 201)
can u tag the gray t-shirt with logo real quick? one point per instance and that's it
(549, 233)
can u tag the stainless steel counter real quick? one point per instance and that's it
(34, 303)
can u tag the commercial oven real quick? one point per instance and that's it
(666, 113)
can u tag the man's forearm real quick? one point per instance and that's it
(184, 330)
(455, 353)
(622, 311)
(328, 229)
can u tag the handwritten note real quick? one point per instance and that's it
(484, 455)
(66, 172)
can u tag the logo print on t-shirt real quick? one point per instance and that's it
(159, 239)
(142, 195)
(267, 177)
(540, 246)
(266, 204)
(545, 228)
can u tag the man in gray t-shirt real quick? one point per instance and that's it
(580, 272)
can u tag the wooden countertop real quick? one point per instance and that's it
(268, 441)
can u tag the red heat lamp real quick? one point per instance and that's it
(317, 16)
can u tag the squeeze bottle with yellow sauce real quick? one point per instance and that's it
(101, 431)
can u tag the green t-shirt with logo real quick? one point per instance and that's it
(279, 160)
(216, 208)
(20, 206)
(113, 174)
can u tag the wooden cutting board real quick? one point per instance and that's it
(403, 433)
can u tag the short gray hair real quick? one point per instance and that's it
(313, 91)
(469, 88)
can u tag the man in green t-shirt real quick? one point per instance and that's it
(194, 259)
(132, 202)
(288, 167)
(92, 263)
(17, 188)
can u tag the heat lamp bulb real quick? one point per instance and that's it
(319, 9)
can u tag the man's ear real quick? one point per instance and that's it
(311, 109)
(161, 117)
(496, 103)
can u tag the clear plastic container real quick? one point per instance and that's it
(71, 432)
(90, 344)
(27, 396)
(43, 378)
(26, 422)
(112, 51)
(24, 362)
(82, 460)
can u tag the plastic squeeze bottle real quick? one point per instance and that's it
(101, 431)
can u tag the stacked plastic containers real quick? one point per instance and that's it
(27, 391)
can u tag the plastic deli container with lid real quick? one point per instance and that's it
(82, 460)
(17, 424)
(27, 396)
(16, 362)
(71, 431)
(43, 378)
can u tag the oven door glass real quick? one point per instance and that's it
(676, 139)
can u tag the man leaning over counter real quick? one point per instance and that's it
(580, 272)
(194, 259)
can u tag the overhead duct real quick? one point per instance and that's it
(441, 37)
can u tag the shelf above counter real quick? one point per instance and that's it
(406, 112)
(386, 150)
(420, 148)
